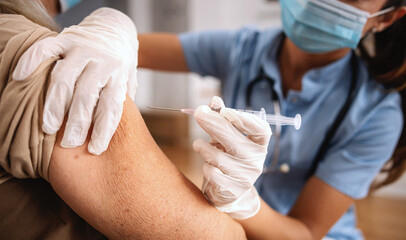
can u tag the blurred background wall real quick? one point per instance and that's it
(190, 90)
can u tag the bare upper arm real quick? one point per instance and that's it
(133, 191)
(319, 206)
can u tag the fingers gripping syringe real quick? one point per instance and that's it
(270, 118)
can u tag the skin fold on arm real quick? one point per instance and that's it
(132, 191)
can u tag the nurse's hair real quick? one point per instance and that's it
(31, 9)
(388, 66)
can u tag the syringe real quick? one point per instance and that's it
(270, 118)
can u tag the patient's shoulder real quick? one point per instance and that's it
(18, 28)
(25, 151)
(16, 23)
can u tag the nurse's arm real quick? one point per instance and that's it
(316, 210)
(161, 51)
(132, 191)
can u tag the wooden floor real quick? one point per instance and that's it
(379, 218)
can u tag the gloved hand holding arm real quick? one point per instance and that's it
(234, 159)
(97, 70)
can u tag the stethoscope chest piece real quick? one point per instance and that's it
(284, 168)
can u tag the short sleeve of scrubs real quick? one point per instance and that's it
(207, 53)
(352, 166)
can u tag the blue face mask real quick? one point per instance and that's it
(323, 25)
(68, 4)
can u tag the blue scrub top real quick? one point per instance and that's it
(364, 141)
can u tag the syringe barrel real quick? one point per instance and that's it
(276, 119)
(261, 114)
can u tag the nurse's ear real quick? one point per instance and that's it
(389, 18)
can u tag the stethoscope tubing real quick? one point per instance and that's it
(285, 167)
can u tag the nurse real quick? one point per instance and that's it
(352, 118)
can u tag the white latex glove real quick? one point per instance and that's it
(234, 159)
(97, 69)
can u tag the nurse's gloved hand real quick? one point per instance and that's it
(233, 159)
(98, 68)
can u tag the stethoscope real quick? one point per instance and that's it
(285, 167)
(262, 76)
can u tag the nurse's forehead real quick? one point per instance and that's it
(366, 5)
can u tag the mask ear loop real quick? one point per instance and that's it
(368, 39)
(382, 12)
(377, 14)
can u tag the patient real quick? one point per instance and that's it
(132, 191)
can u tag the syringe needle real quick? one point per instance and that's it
(164, 108)
(189, 111)
(183, 110)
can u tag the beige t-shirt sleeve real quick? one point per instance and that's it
(25, 151)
